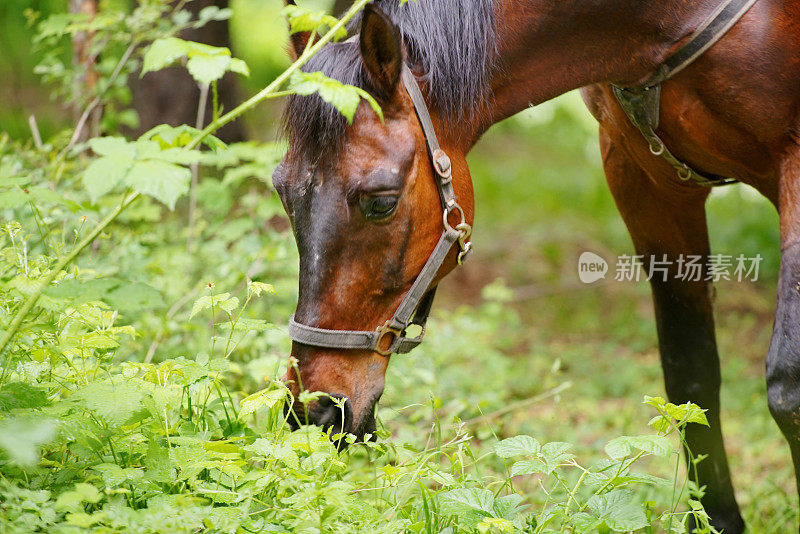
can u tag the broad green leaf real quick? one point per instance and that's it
(114, 475)
(687, 413)
(97, 340)
(179, 136)
(103, 174)
(166, 182)
(114, 403)
(458, 500)
(21, 437)
(120, 294)
(222, 301)
(345, 98)
(528, 467)
(555, 453)
(12, 198)
(208, 68)
(496, 524)
(508, 506)
(619, 510)
(83, 493)
(111, 146)
(19, 395)
(134, 296)
(163, 53)
(254, 289)
(205, 63)
(517, 446)
(302, 19)
(264, 398)
(624, 446)
(238, 66)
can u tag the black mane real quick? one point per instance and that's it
(452, 41)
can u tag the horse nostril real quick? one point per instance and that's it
(330, 412)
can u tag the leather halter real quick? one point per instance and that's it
(641, 102)
(416, 305)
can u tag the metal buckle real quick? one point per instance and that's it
(383, 331)
(442, 165)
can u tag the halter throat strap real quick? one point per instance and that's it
(416, 305)
(641, 102)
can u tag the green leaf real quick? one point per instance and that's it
(261, 399)
(254, 289)
(240, 67)
(517, 446)
(165, 182)
(624, 446)
(113, 475)
(345, 98)
(223, 301)
(134, 296)
(302, 19)
(19, 395)
(111, 146)
(103, 174)
(458, 500)
(120, 294)
(208, 68)
(163, 53)
(619, 510)
(555, 453)
(21, 437)
(12, 198)
(115, 403)
(687, 413)
(72, 500)
(205, 63)
(529, 467)
(508, 506)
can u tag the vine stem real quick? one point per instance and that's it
(62, 263)
(270, 90)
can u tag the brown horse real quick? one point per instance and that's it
(366, 211)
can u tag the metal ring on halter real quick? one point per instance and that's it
(384, 331)
(656, 147)
(446, 215)
(685, 173)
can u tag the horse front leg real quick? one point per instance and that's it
(783, 358)
(670, 222)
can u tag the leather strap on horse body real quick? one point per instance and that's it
(641, 102)
(416, 305)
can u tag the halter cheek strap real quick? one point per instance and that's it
(416, 305)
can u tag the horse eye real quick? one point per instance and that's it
(378, 207)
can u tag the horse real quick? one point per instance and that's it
(366, 204)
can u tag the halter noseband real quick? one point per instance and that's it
(416, 305)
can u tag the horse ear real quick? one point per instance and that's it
(298, 40)
(381, 50)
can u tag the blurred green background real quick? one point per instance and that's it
(541, 201)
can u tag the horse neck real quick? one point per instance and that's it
(549, 47)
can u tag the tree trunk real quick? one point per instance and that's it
(84, 62)
(171, 96)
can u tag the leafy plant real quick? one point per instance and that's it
(135, 396)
